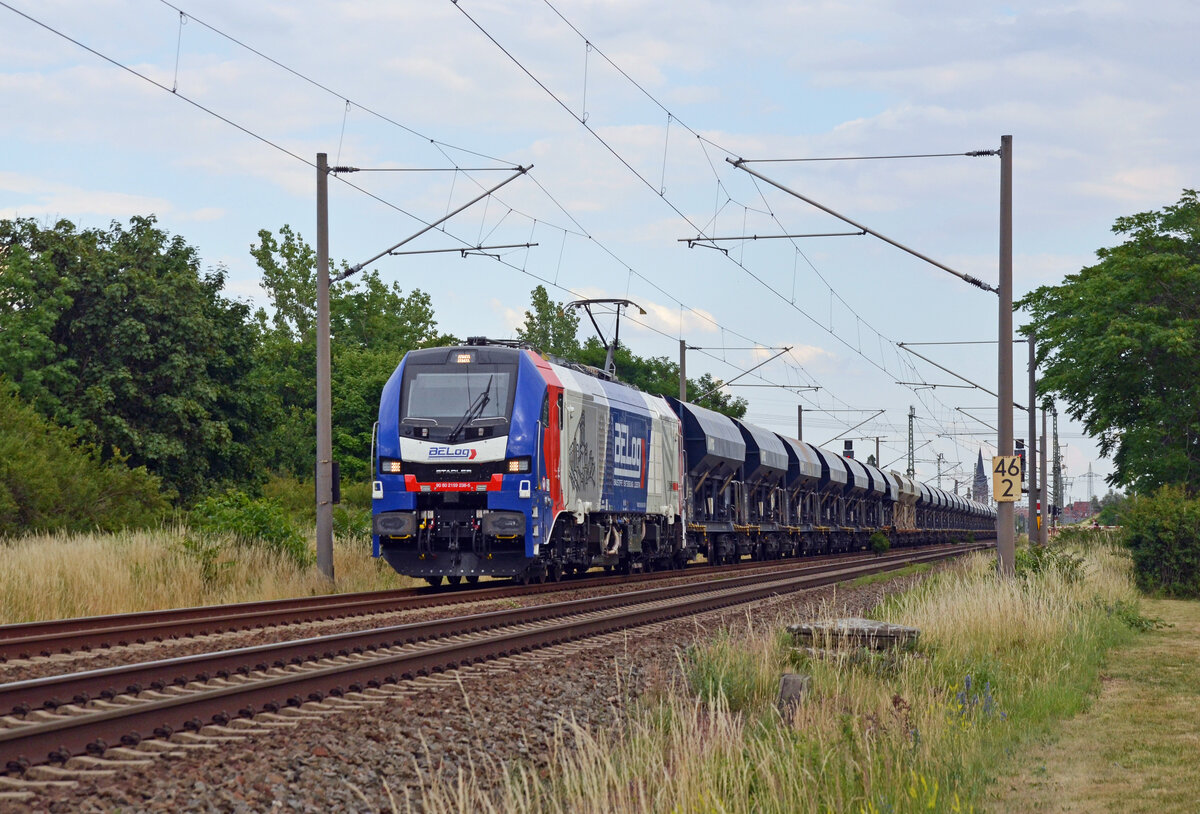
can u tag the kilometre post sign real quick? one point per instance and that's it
(1006, 478)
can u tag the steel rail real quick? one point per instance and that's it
(40, 742)
(26, 639)
(80, 687)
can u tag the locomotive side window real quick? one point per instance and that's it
(546, 410)
(560, 411)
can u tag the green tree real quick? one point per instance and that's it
(1111, 506)
(706, 391)
(364, 312)
(655, 374)
(1162, 531)
(372, 325)
(1119, 342)
(119, 335)
(549, 326)
(37, 457)
(660, 375)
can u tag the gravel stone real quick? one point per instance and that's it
(477, 721)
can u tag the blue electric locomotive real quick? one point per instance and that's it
(493, 460)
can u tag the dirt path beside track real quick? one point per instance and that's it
(1136, 749)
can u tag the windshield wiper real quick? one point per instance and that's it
(473, 412)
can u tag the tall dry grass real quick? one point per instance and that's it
(908, 731)
(970, 617)
(61, 576)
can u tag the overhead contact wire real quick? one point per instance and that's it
(582, 121)
(275, 145)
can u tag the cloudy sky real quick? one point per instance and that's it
(209, 116)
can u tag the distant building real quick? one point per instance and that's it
(1079, 510)
(979, 490)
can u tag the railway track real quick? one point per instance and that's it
(25, 640)
(57, 717)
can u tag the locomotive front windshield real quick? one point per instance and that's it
(457, 396)
(446, 397)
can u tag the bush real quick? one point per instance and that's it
(726, 675)
(214, 571)
(352, 525)
(298, 497)
(252, 521)
(880, 544)
(1035, 559)
(356, 493)
(50, 482)
(1162, 531)
(1080, 536)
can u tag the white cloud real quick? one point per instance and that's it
(207, 213)
(49, 199)
(1095, 95)
(1139, 186)
(510, 316)
(672, 320)
(810, 354)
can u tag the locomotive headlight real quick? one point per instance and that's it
(518, 464)
(390, 466)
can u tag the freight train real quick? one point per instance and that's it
(491, 459)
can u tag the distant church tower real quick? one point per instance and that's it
(981, 482)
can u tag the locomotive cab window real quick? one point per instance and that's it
(452, 397)
(445, 397)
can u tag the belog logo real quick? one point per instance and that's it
(452, 453)
(628, 452)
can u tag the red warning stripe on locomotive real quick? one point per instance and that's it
(411, 484)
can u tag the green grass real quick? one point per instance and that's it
(999, 662)
(1134, 749)
(725, 671)
(908, 570)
